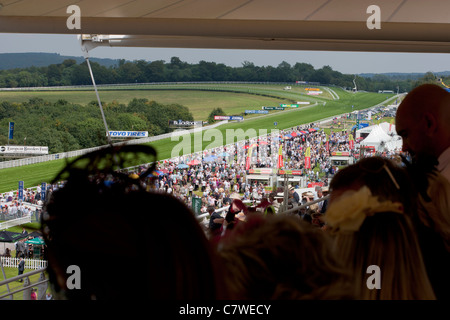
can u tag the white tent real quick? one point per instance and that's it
(376, 138)
(395, 144)
(388, 128)
(365, 130)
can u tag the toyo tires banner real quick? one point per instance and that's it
(128, 134)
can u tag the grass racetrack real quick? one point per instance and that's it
(233, 98)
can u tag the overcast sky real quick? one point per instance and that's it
(345, 62)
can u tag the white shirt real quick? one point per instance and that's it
(444, 164)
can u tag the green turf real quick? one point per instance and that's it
(35, 174)
(13, 272)
(199, 98)
(200, 103)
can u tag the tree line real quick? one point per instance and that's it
(69, 72)
(64, 126)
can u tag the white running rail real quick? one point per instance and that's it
(15, 222)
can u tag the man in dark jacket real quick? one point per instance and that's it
(21, 267)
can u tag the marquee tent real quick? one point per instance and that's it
(9, 236)
(376, 138)
(388, 128)
(395, 144)
(364, 131)
(36, 241)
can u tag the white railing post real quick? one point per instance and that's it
(34, 264)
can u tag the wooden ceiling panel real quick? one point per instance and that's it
(34, 8)
(275, 10)
(197, 9)
(419, 11)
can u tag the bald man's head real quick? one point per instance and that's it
(423, 120)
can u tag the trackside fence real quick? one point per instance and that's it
(34, 264)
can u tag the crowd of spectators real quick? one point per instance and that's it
(214, 181)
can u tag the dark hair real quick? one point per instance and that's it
(370, 172)
(151, 235)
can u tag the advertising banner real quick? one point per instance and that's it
(261, 171)
(196, 205)
(291, 172)
(256, 111)
(308, 158)
(43, 190)
(249, 155)
(23, 149)
(314, 184)
(280, 158)
(229, 118)
(128, 134)
(351, 141)
(273, 108)
(20, 190)
(341, 153)
(184, 124)
(11, 130)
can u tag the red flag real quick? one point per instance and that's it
(249, 155)
(308, 158)
(351, 141)
(280, 158)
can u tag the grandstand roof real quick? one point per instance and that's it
(406, 25)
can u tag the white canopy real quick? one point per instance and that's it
(388, 128)
(364, 130)
(395, 144)
(385, 126)
(376, 138)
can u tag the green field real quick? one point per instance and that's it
(33, 175)
(199, 98)
(12, 272)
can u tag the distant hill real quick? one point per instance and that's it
(41, 59)
(403, 76)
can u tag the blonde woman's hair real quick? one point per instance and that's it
(282, 257)
(386, 240)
